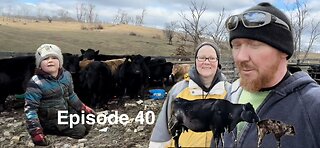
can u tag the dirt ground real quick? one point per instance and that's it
(133, 134)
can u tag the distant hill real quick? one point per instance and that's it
(27, 36)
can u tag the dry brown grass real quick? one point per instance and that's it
(27, 36)
(113, 39)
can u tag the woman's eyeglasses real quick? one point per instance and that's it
(253, 19)
(210, 59)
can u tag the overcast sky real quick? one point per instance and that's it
(158, 12)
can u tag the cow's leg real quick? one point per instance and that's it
(2, 103)
(222, 140)
(94, 101)
(216, 137)
(176, 138)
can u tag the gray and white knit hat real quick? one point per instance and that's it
(47, 50)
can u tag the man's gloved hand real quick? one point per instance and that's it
(40, 139)
(87, 109)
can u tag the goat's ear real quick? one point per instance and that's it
(247, 106)
(82, 51)
(244, 107)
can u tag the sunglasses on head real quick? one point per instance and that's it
(253, 19)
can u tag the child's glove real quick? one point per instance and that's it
(87, 109)
(40, 139)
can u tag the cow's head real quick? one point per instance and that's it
(136, 63)
(88, 54)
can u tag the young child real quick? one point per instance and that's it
(51, 90)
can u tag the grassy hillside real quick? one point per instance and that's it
(27, 36)
(113, 39)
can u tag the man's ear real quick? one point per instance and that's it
(283, 55)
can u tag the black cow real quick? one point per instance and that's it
(203, 115)
(91, 54)
(132, 76)
(71, 62)
(96, 81)
(160, 70)
(14, 75)
(277, 128)
(293, 69)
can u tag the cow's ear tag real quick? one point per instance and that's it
(129, 60)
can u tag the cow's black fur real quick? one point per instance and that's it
(160, 70)
(91, 54)
(96, 80)
(14, 75)
(132, 76)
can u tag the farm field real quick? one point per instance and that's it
(113, 39)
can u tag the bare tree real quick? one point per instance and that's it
(39, 13)
(116, 18)
(49, 19)
(140, 18)
(314, 35)
(80, 10)
(169, 31)
(122, 17)
(300, 27)
(63, 14)
(191, 26)
(25, 10)
(90, 13)
(218, 32)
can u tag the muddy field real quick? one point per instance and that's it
(133, 134)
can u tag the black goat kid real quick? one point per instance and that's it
(203, 115)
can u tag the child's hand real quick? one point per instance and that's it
(40, 139)
(87, 109)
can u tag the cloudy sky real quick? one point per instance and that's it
(158, 12)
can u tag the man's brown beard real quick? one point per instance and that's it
(254, 85)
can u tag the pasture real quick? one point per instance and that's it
(113, 39)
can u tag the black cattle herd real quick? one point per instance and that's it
(98, 81)
(101, 77)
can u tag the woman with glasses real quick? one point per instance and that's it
(262, 42)
(205, 81)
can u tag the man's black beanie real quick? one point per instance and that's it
(273, 34)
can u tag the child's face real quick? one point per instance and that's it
(50, 65)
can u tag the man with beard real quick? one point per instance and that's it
(262, 42)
